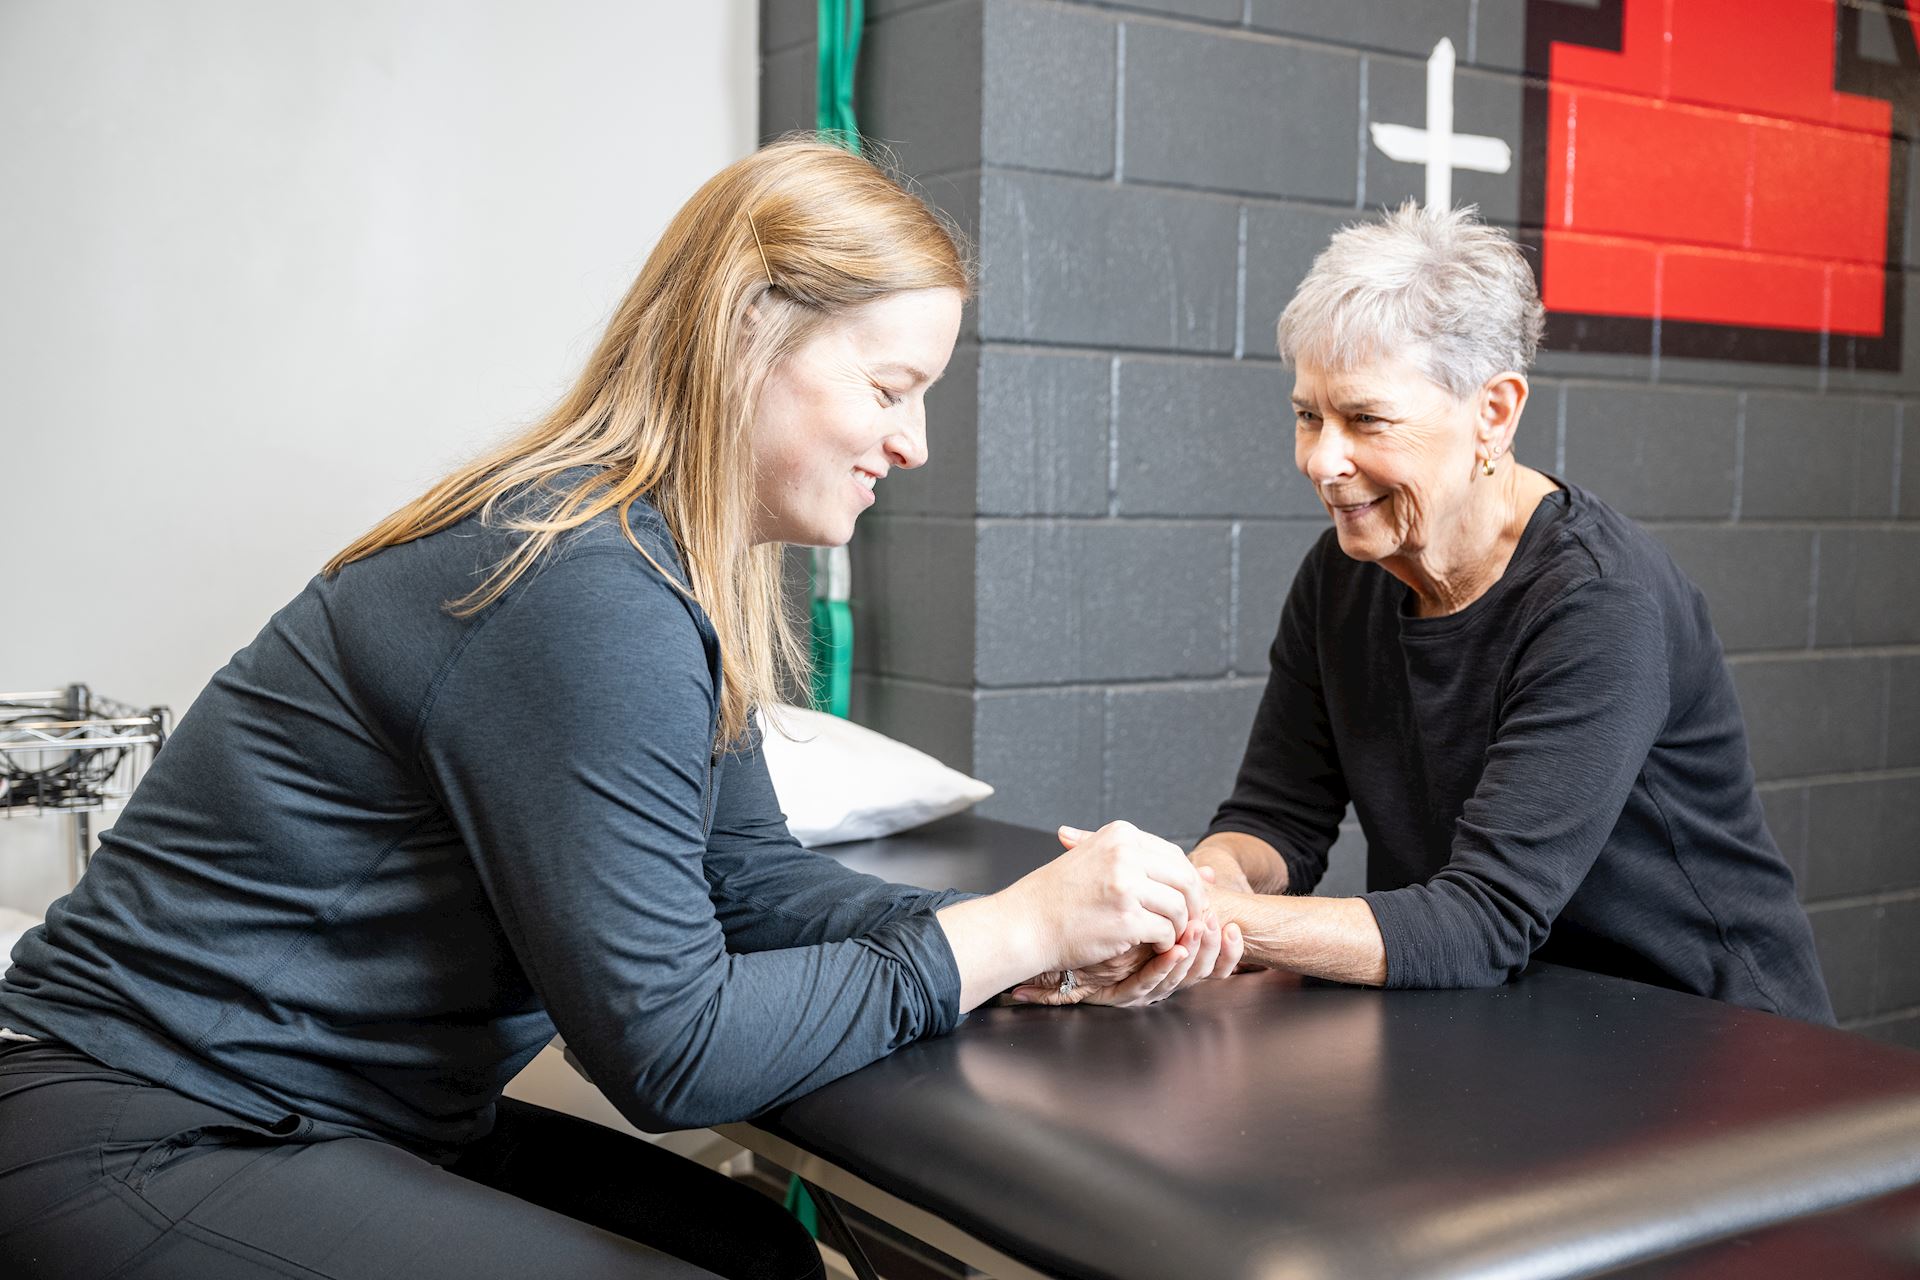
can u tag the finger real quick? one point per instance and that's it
(1151, 928)
(1233, 948)
(1206, 873)
(1205, 945)
(1177, 873)
(1048, 994)
(1132, 990)
(1164, 974)
(1175, 979)
(1164, 901)
(1208, 955)
(1071, 836)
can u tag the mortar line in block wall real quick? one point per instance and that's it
(1885, 1017)
(1560, 434)
(1813, 598)
(1248, 682)
(1106, 752)
(1739, 451)
(1899, 450)
(1890, 898)
(1886, 704)
(1233, 601)
(1658, 523)
(1240, 291)
(1360, 178)
(1904, 773)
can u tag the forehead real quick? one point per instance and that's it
(918, 325)
(1387, 380)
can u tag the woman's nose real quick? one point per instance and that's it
(908, 448)
(1329, 459)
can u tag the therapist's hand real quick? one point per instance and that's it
(1111, 891)
(1142, 976)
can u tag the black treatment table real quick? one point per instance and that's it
(1280, 1128)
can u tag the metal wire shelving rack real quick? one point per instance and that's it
(70, 751)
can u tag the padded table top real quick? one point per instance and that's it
(1273, 1126)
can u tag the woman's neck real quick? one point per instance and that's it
(1448, 578)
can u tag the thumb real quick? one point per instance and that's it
(1206, 873)
(1071, 836)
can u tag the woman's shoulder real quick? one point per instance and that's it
(630, 538)
(1591, 545)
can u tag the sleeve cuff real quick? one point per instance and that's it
(1415, 944)
(919, 940)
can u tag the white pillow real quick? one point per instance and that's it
(838, 781)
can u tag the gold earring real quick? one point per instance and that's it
(1486, 466)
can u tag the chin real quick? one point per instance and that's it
(1363, 549)
(825, 537)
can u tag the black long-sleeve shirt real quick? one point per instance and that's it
(1558, 770)
(389, 850)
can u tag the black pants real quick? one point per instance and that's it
(105, 1175)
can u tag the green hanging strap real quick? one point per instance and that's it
(841, 22)
(801, 1206)
(832, 630)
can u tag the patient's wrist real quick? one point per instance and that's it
(1228, 872)
(1260, 864)
(1255, 914)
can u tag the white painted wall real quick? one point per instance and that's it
(266, 269)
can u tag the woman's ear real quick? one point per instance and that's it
(1502, 400)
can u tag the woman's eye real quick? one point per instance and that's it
(888, 398)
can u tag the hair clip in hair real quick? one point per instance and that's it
(765, 265)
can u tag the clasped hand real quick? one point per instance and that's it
(1136, 919)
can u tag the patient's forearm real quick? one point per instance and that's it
(1259, 861)
(1335, 938)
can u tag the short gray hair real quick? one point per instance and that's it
(1436, 279)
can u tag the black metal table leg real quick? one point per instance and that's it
(836, 1222)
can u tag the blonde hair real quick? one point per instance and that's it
(662, 409)
(1433, 283)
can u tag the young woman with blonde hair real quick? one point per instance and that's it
(492, 774)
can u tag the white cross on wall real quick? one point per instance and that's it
(1438, 146)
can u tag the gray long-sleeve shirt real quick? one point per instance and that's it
(1559, 769)
(389, 851)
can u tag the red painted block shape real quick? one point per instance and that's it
(1819, 191)
(1634, 166)
(1614, 277)
(1714, 137)
(1717, 286)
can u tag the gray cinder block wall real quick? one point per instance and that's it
(1075, 599)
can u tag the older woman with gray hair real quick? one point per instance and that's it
(1518, 692)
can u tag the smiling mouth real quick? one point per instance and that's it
(865, 477)
(1356, 508)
